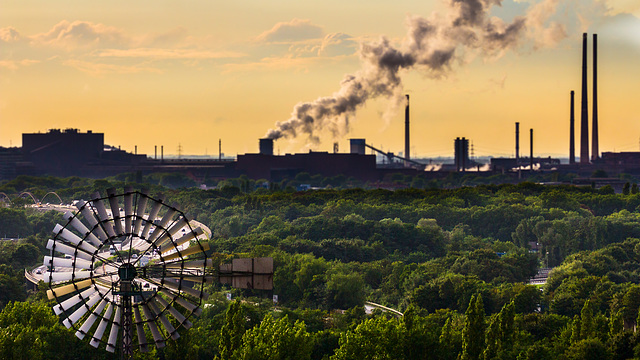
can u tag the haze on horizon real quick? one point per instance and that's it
(162, 73)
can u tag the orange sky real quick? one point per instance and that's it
(166, 73)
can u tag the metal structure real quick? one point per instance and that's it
(390, 156)
(595, 147)
(584, 111)
(123, 262)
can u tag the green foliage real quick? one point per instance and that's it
(31, 331)
(473, 333)
(232, 331)
(276, 340)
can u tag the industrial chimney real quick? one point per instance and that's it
(517, 143)
(572, 132)
(584, 116)
(266, 146)
(407, 152)
(595, 151)
(358, 146)
(531, 145)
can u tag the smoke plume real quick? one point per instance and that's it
(431, 45)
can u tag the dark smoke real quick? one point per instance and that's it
(431, 45)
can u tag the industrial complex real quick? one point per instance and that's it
(70, 152)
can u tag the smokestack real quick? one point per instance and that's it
(219, 149)
(584, 116)
(517, 143)
(595, 151)
(161, 152)
(357, 146)
(136, 151)
(531, 145)
(266, 146)
(572, 131)
(155, 152)
(407, 151)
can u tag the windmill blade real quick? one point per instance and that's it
(115, 211)
(173, 333)
(157, 204)
(73, 239)
(128, 208)
(68, 289)
(68, 250)
(82, 229)
(142, 337)
(79, 313)
(115, 327)
(99, 333)
(178, 286)
(86, 326)
(142, 205)
(168, 216)
(171, 232)
(207, 279)
(153, 327)
(175, 313)
(191, 264)
(102, 215)
(182, 240)
(197, 310)
(64, 262)
(87, 214)
(74, 300)
(197, 248)
(65, 276)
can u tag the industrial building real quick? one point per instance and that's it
(70, 152)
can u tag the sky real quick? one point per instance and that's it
(188, 74)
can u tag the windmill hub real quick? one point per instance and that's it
(127, 272)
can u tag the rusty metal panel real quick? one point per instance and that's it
(243, 282)
(242, 265)
(263, 282)
(263, 265)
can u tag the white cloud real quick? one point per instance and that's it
(99, 69)
(71, 35)
(167, 53)
(294, 30)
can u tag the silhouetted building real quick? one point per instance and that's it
(62, 152)
(461, 154)
(261, 166)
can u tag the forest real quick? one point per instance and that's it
(455, 261)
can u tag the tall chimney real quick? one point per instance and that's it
(517, 143)
(407, 152)
(266, 146)
(155, 152)
(572, 132)
(531, 145)
(595, 151)
(219, 149)
(584, 116)
(161, 152)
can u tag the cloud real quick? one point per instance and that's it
(292, 31)
(178, 36)
(337, 44)
(83, 34)
(99, 69)
(15, 65)
(167, 53)
(9, 35)
(280, 63)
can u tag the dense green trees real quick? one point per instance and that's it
(455, 261)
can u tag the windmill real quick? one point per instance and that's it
(128, 261)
